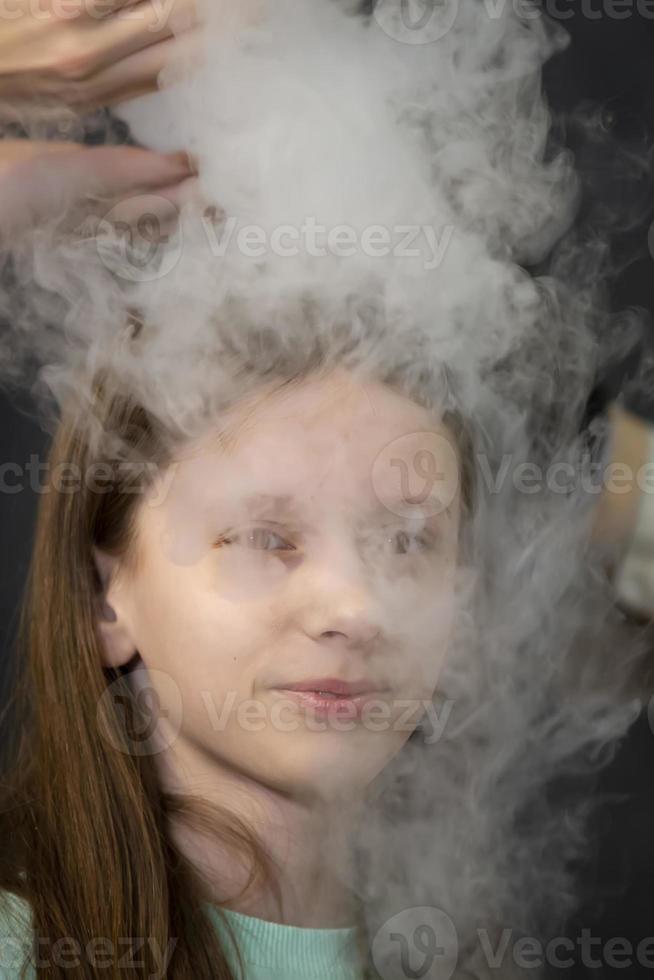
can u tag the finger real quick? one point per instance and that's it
(99, 9)
(45, 186)
(13, 152)
(138, 74)
(139, 237)
(132, 28)
(117, 169)
(72, 9)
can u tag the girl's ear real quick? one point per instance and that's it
(117, 644)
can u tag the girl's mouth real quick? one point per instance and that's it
(325, 703)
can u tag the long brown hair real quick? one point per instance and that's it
(84, 834)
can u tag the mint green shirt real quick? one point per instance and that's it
(270, 951)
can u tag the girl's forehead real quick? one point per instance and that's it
(334, 442)
(338, 408)
(316, 439)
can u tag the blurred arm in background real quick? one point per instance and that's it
(624, 520)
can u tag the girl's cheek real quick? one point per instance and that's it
(245, 573)
(424, 642)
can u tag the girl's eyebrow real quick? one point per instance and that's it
(272, 504)
(286, 505)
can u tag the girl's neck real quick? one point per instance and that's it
(307, 841)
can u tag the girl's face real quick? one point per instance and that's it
(321, 544)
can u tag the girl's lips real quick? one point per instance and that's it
(341, 706)
(333, 685)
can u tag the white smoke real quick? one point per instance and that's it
(303, 112)
(313, 115)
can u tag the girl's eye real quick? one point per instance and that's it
(260, 539)
(406, 543)
(401, 542)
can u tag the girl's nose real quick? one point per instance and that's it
(345, 613)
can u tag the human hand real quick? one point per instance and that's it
(88, 53)
(41, 180)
